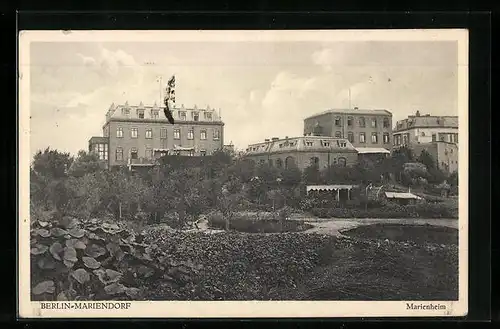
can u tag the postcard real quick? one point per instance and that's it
(243, 174)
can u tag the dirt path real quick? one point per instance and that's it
(333, 226)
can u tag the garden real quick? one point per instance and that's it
(101, 234)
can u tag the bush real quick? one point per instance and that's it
(74, 259)
(424, 210)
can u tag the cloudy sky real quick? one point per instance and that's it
(263, 89)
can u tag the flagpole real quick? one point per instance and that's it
(349, 98)
(160, 80)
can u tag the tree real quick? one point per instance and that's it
(51, 163)
(311, 174)
(85, 163)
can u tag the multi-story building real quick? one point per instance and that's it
(418, 129)
(438, 135)
(444, 153)
(136, 135)
(303, 151)
(364, 129)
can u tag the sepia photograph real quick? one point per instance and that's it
(243, 173)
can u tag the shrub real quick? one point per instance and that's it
(74, 259)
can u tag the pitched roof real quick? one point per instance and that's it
(351, 111)
(370, 150)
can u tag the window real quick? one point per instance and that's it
(163, 133)
(106, 132)
(191, 153)
(433, 137)
(362, 138)
(386, 123)
(203, 134)
(397, 140)
(326, 144)
(338, 134)
(140, 114)
(338, 122)
(133, 153)
(119, 154)
(191, 134)
(182, 115)
(386, 138)
(374, 122)
(177, 134)
(149, 153)
(216, 134)
(362, 122)
(154, 114)
(149, 133)
(119, 132)
(134, 132)
(125, 111)
(342, 162)
(349, 121)
(208, 116)
(279, 163)
(102, 151)
(374, 138)
(422, 134)
(350, 137)
(442, 137)
(405, 139)
(341, 144)
(203, 153)
(196, 116)
(309, 143)
(314, 161)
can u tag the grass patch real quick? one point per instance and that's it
(297, 266)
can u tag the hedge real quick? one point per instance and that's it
(427, 210)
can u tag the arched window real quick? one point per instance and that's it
(279, 163)
(342, 162)
(314, 161)
(289, 162)
(338, 134)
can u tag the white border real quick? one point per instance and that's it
(222, 309)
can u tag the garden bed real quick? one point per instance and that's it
(419, 234)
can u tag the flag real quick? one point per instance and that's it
(171, 82)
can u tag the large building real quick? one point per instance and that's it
(303, 151)
(417, 129)
(367, 130)
(438, 135)
(136, 135)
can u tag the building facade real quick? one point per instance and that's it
(136, 135)
(301, 152)
(438, 135)
(444, 153)
(418, 129)
(370, 129)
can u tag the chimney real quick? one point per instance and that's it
(274, 139)
(266, 140)
(286, 137)
(417, 114)
(356, 108)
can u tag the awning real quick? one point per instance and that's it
(330, 187)
(180, 148)
(372, 150)
(400, 195)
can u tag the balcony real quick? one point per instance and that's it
(141, 162)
